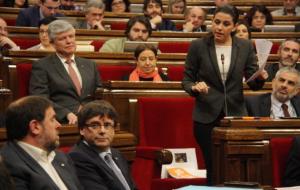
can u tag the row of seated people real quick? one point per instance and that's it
(145, 154)
(68, 50)
(138, 29)
(257, 17)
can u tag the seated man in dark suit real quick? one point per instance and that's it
(94, 15)
(154, 9)
(29, 154)
(98, 165)
(67, 80)
(283, 102)
(194, 20)
(32, 15)
(291, 175)
(289, 53)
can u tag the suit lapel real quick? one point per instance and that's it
(123, 169)
(99, 161)
(213, 58)
(234, 57)
(296, 104)
(265, 105)
(31, 163)
(65, 176)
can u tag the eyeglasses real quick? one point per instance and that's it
(51, 8)
(43, 31)
(106, 125)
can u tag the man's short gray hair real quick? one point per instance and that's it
(288, 70)
(94, 3)
(58, 26)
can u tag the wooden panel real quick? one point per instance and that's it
(242, 146)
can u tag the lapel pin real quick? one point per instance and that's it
(62, 165)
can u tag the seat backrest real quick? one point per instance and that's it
(97, 44)
(167, 123)
(23, 78)
(175, 73)
(280, 148)
(25, 42)
(114, 72)
(174, 47)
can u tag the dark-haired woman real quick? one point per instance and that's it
(146, 70)
(259, 16)
(117, 6)
(214, 71)
(16, 3)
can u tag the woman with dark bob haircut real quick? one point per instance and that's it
(117, 6)
(146, 70)
(214, 69)
(259, 16)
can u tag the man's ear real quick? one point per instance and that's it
(34, 127)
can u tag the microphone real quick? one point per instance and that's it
(224, 80)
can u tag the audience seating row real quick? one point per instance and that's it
(163, 46)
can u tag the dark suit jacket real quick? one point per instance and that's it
(28, 174)
(82, 25)
(297, 28)
(30, 16)
(166, 25)
(50, 79)
(93, 171)
(273, 68)
(201, 65)
(260, 106)
(291, 176)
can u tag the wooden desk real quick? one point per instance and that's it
(241, 150)
(123, 96)
(69, 135)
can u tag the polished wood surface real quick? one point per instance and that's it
(123, 95)
(241, 150)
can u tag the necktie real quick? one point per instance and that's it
(285, 110)
(116, 170)
(74, 76)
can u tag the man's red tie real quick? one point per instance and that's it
(73, 76)
(285, 110)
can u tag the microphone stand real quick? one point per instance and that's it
(224, 80)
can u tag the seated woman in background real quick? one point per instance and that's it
(45, 44)
(242, 30)
(16, 3)
(146, 70)
(177, 6)
(117, 6)
(259, 16)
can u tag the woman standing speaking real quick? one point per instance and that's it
(214, 71)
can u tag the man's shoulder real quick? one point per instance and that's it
(30, 10)
(116, 40)
(278, 12)
(257, 98)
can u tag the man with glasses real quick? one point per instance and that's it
(32, 15)
(5, 42)
(30, 153)
(98, 165)
(94, 14)
(45, 44)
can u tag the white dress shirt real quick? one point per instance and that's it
(276, 110)
(45, 161)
